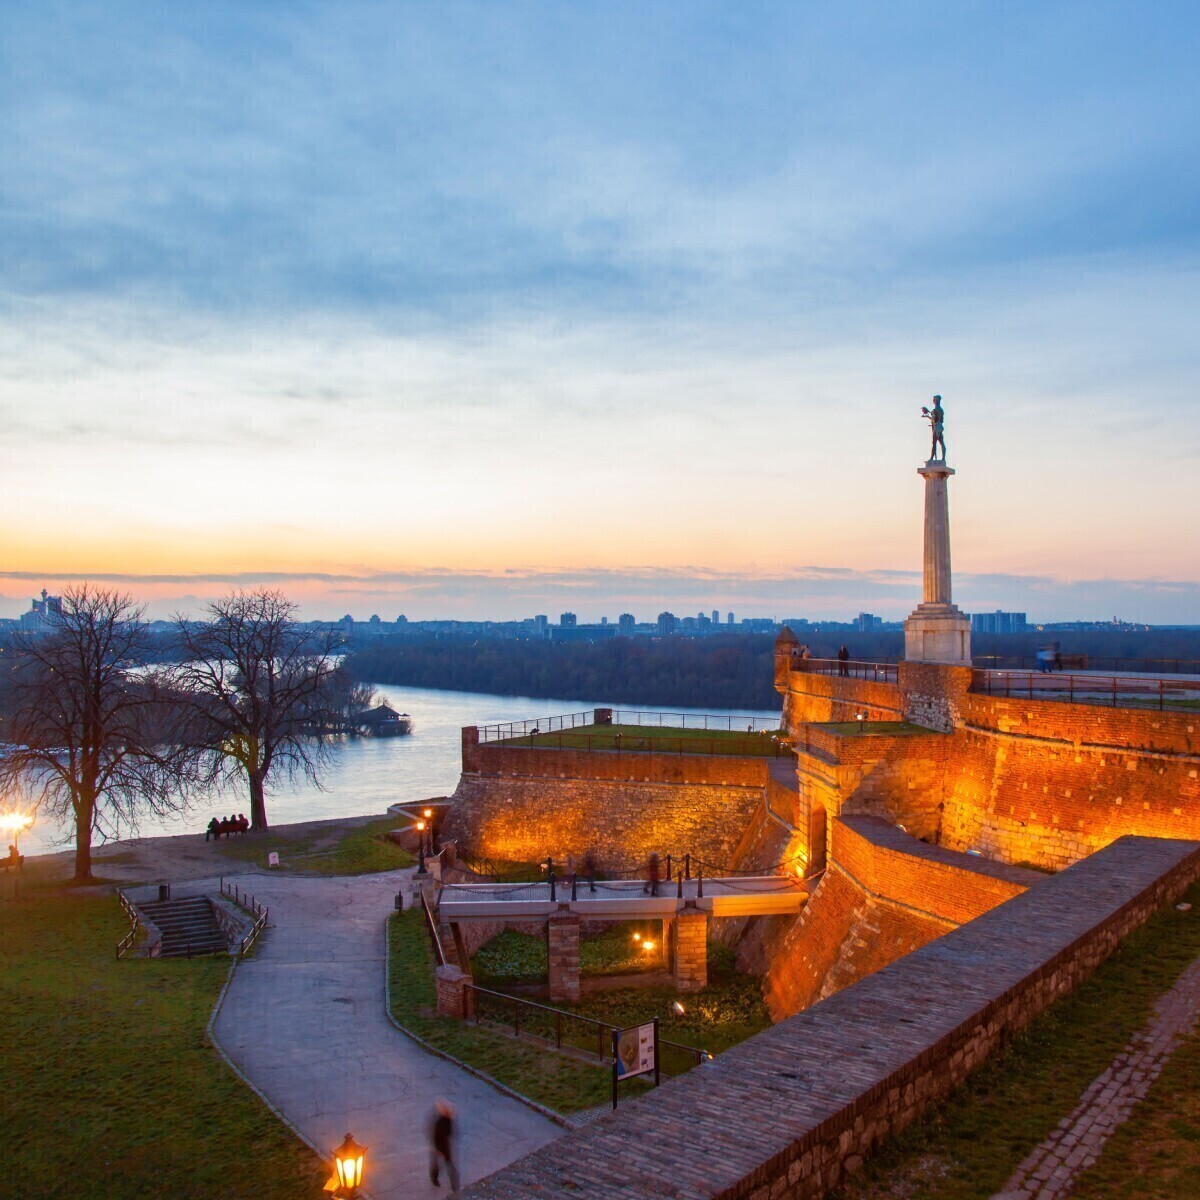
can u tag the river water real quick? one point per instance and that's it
(365, 775)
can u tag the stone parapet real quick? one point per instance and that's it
(690, 951)
(786, 1115)
(562, 944)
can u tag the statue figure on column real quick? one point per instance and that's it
(936, 417)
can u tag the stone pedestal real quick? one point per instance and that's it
(451, 992)
(562, 945)
(937, 631)
(690, 959)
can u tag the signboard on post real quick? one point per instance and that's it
(635, 1052)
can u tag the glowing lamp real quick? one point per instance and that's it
(647, 945)
(678, 1009)
(637, 937)
(420, 826)
(348, 1158)
(427, 813)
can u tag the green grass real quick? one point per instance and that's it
(512, 957)
(662, 740)
(968, 1148)
(1155, 1155)
(556, 1081)
(111, 1089)
(359, 850)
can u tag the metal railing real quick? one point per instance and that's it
(876, 672)
(1092, 662)
(557, 1027)
(435, 939)
(126, 943)
(510, 729)
(746, 745)
(1114, 691)
(261, 913)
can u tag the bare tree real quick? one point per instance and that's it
(258, 683)
(86, 735)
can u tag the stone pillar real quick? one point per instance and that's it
(937, 631)
(690, 945)
(470, 748)
(562, 945)
(451, 992)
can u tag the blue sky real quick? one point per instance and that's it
(400, 304)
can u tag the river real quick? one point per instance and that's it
(365, 775)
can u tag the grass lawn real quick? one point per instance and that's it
(1155, 1155)
(967, 1149)
(553, 1080)
(111, 1089)
(515, 957)
(663, 740)
(361, 850)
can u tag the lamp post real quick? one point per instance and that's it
(421, 848)
(348, 1158)
(860, 717)
(428, 815)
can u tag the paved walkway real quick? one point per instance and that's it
(1049, 1173)
(304, 1019)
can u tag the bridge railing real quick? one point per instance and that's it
(1113, 691)
(876, 672)
(565, 1030)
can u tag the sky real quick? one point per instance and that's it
(481, 310)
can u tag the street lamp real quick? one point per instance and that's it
(860, 717)
(421, 848)
(428, 815)
(348, 1158)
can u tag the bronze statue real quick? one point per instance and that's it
(936, 417)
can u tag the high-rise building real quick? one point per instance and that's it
(625, 624)
(999, 622)
(716, 617)
(666, 624)
(729, 618)
(865, 622)
(542, 624)
(568, 619)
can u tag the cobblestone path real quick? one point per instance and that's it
(1049, 1173)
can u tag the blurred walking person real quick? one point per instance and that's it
(653, 875)
(843, 662)
(441, 1137)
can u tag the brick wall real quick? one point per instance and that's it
(526, 818)
(808, 696)
(788, 1113)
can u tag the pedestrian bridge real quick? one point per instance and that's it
(625, 899)
(684, 906)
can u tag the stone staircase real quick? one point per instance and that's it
(187, 925)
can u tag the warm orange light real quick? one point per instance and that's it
(647, 945)
(348, 1158)
(15, 820)
(678, 1009)
(637, 937)
(420, 826)
(428, 813)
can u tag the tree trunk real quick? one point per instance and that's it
(258, 803)
(83, 843)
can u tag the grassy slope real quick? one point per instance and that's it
(557, 1082)
(967, 1149)
(111, 1088)
(361, 850)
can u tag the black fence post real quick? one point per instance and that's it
(574, 887)
(687, 865)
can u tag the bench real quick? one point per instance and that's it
(9, 861)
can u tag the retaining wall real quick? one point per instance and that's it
(788, 1113)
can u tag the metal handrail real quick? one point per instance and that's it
(1117, 664)
(877, 672)
(505, 731)
(126, 943)
(603, 1031)
(434, 937)
(508, 729)
(246, 900)
(1112, 691)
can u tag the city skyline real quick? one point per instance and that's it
(434, 312)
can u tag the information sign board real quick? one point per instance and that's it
(635, 1052)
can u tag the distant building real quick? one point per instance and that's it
(729, 618)
(999, 622)
(716, 617)
(42, 614)
(666, 624)
(866, 622)
(541, 624)
(568, 620)
(625, 624)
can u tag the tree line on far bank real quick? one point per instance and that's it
(92, 735)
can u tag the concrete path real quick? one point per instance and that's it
(304, 1019)
(1049, 1173)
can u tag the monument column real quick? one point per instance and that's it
(937, 632)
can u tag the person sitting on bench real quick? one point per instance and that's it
(213, 830)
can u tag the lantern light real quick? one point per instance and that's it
(349, 1160)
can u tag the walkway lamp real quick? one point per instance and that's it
(860, 717)
(348, 1158)
(421, 848)
(427, 813)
